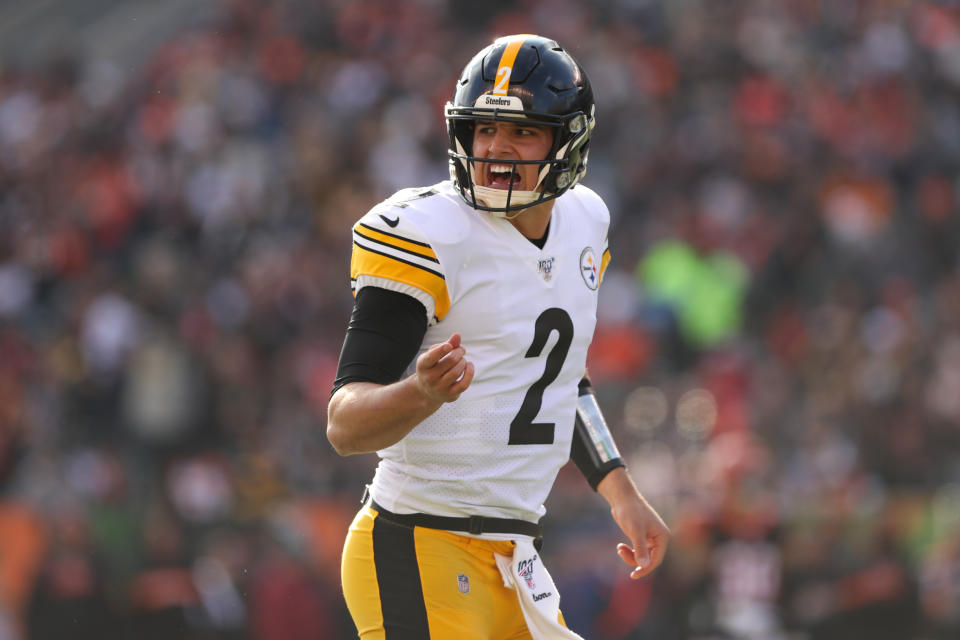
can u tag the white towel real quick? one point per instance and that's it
(539, 599)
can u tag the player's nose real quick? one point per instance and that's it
(499, 142)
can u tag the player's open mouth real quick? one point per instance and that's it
(502, 176)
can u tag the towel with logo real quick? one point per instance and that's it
(539, 599)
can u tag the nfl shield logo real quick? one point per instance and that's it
(463, 583)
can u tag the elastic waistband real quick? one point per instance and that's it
(472, 524)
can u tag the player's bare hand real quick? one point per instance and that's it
(648, 537)
(443, 371)
(647, 532)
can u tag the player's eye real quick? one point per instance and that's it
(530, 131)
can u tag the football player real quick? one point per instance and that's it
(464, 364)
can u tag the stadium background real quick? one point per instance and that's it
(778, 347)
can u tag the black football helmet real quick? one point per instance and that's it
(524, 77)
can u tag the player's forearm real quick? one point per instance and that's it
(363, 417)
(624, 498)
(616, 486)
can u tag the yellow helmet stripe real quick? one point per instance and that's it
(505, 68)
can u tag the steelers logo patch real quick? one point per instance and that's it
(589, 268)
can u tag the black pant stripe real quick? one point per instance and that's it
(398, 577)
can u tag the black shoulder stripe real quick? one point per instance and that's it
(395, 247)
(394, 235)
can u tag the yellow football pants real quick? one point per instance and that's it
(403, 583)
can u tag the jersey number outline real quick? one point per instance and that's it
(523, 429)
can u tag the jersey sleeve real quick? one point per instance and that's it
(391, 253)
(596, 210)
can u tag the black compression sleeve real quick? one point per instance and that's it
(385, 332)
(583, 451)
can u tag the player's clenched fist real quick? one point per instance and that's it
(443, 371)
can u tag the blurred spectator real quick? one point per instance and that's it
(70, 598)
(290, 603)
(164, 599)
(23, 542)
(777, 335)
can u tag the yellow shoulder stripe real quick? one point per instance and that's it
(393, 240)
(604, 261)
(367, 262)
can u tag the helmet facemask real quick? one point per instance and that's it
(563, 167)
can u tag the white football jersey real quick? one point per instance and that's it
(526, 316)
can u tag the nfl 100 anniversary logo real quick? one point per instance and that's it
(463, 583)
(545, 267)
(525, 571)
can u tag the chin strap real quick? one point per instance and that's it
(497, 198)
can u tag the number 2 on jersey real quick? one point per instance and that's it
(523, 429)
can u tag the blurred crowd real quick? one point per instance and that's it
(778, 342)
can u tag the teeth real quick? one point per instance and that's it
(502, 172)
